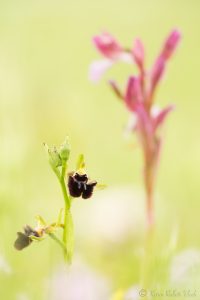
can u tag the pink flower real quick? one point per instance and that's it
(139, 98)
(133, 93)
(138, 53)
(112, 52)
(160, 116)
(157, 72)
(98, 68)
(171, 44)
(167, 51)
(107, 45)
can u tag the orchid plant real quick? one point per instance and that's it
(139, 98)
(73, 184)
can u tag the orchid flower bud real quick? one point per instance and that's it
(54, 158)
(171, 44)
(64, 151)
(157, 72)
(138, 53)
(107, 45)
(133, 93)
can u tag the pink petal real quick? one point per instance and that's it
(171, 44)
(133, 93)
(107, 45)
(157, 71)
(125, 57)
(160, 117)
(98, 68)
(138, 53)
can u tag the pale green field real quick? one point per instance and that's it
(45, 94)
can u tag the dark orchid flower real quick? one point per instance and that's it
(23, 240)
(79, 186)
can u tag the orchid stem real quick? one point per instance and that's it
(67, 200)
(68, 230)
(58, 241)
(150, 208)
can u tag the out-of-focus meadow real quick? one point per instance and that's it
(45, 94)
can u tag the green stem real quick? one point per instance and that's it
(68, 225)
(65, 227)
(65, 194)
(68, 235)
(61, 244)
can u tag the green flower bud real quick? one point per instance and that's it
(64, 151)
(54, 158)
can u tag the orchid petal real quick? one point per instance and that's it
(171, 44)
(125, 57)
(98, 68)
(160, 117)
(157, 71)
(133, 93)
(138, 53)
(107, 45)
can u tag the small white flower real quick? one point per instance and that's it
(4, 266)
(132, 293)
(185, 266)
(79, 282)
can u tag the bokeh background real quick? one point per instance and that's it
(45, 94)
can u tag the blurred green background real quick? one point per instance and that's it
(45, 94)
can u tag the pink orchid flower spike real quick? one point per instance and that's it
(138, 97)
